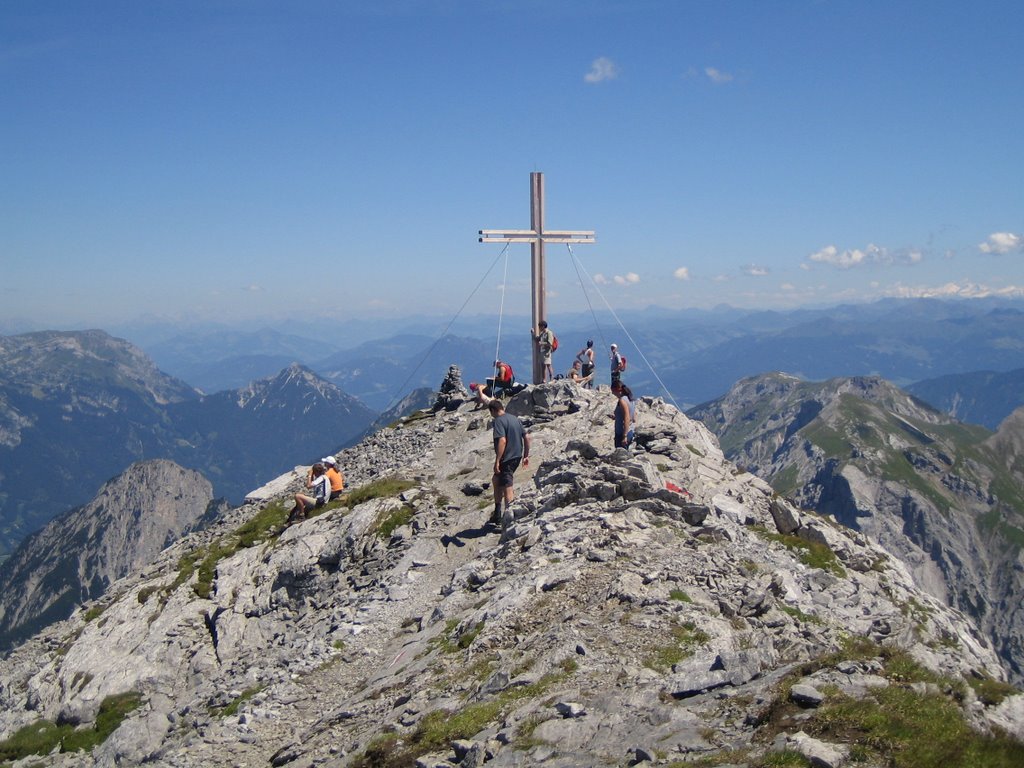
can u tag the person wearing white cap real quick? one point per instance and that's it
(616, 364)
(334, 475)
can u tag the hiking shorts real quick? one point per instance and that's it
(505, 471)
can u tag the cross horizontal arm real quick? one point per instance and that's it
(529, 236)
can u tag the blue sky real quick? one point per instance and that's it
(250, 161)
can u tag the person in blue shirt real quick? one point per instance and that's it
(511, 448)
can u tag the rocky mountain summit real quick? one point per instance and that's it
(656, 606)
(946, 498)
(76, 557)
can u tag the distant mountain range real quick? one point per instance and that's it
(945, 497)
(77, 408)
(59, 391)
(981, 397)
(902, 342)
(689, 356)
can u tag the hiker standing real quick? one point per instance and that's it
(625, 415)
(511, 448)
(586, 357)
(545, 339)
(616, 360)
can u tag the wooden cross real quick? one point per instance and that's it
(536, 236)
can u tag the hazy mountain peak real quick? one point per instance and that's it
(57, 358)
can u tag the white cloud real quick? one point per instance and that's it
(869, 255)
(253, 288)
(844, 260)
(754, 270)
(601, 69)
(683, 273)
(600, 279)
(717, 76)
(962, 290)
(627, 279)
(1002, 242)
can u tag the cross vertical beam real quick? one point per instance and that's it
(538, 267)
(537, 236)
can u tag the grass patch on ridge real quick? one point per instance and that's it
(898, 726)
(810, 553)
(436, 731)
(44, 736)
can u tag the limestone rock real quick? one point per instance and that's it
(617, 619)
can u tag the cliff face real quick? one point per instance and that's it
(944, 497)
(75, 410)
(77, 556)
(649, 605)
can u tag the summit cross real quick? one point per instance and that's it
(537, 236)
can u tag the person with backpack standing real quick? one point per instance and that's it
(548, 343)
(618, 365)
(586, 357)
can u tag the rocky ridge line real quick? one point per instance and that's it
(620, 620)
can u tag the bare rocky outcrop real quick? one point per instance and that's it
(73, 560)
(943, 497)
(641, 606)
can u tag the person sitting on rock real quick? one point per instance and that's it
(317, 480)
(334, 476)
(503, 379)
(481, 394)
(575, 374)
